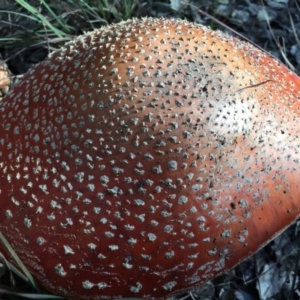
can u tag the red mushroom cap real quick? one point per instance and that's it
(146, 158)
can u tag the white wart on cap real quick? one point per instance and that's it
(147, 157)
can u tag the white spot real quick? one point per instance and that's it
(40, 241)
(129, 227)
(27, 222)
(172, 165)
(157, 169)
(139, 202)
(87, 285)
(196, 187)
(132, 241)
(8, 214)
(182, 200)
(60, 270)
(169, 285)
(226, 233)
(92, 246)
(68, 250)
(169, 254)
(113, 247)
(151, 237)
(137, 288)
(126, 265)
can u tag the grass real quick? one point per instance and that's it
(32, 29)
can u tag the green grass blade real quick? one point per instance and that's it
(66, 27)
(40, 17)
(18, 261)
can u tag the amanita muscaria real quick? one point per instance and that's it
(4, 79)
(147, 157)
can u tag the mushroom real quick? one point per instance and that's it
(146, 158)
(4, 79)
